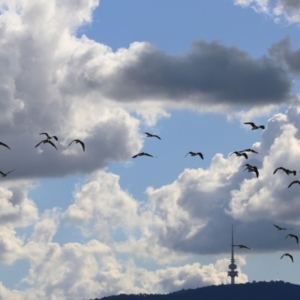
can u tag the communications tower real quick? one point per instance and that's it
(232, 273)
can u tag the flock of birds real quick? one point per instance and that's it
(48, 140)
(249, 168)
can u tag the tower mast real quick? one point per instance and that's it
(232, 273)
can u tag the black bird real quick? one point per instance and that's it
(287, 171)
(242, 246)
(293, 236)
(5, 174)
(44, 142)
(249, 150)
(252, 169)
(295, 181)
(80, 142)
(194, 154)
(4, 145)
(254, 127)
(238, 153)
(152, 135)
(289, 255)
(142, 154)
(281, 228)
(49, 137)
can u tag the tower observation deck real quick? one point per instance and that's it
(232, 273)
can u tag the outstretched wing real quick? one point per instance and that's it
(40, 143)
(245, 155)
(293, 236)
(71, 143)
(278, 227)
(289, 255)
(82, 144)
(280, 168)
(200, 154)
(147, 154)
(10, 171)
(249, 150)
(4, 145)
(250, 123)
(52, 144)
(46, 134)
(295, 181)
(254, 169)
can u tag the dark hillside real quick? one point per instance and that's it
(278, 290)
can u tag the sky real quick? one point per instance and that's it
(80, 224)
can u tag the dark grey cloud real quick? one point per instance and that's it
(210, 73)
(283, 53)
(290, 4)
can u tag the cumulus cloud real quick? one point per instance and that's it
(74, 87)
(77, 88)
(179, 219)
(94, 269)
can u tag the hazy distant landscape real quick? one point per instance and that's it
(256, 290)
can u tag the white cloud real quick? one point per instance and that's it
(280, 10)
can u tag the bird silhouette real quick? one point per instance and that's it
(5, 174)
(142, 154)
(238, 153)
(4, 145)
(242, 246)
(295, 181)
(289, 255)
(80, 142)
(194, 154)
(152, 135)
(254, 127)
(45, 142)
(252, 169)
(281, 228)
(287, 171)
(292, 236)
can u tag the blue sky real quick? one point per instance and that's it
(77, 224)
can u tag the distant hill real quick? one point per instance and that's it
(274, 290)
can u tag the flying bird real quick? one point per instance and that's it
(194, 154)
(152, 135)
(289, 255)
(252, 169)
(295, 181)
(281, 228)
(293, 236)
(45, 142)
(5, 174)
(142, 154)
(287, 171)
(254, 127)
(80, 142)
(4, 145)
(49, 137)
(238, 153)
(242, 246)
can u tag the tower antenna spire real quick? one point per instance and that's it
(232, 273)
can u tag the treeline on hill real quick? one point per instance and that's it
(274, 290)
